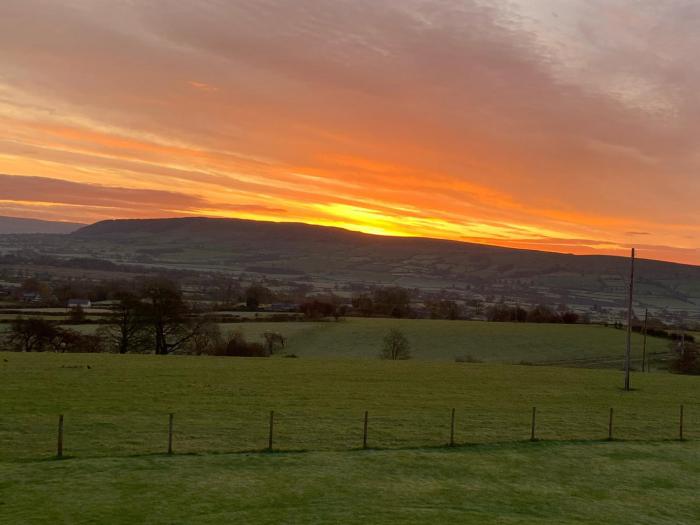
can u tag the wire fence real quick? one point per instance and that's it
(77, 435)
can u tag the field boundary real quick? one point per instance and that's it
(364, 441)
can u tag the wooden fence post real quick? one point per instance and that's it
(680, 425)
(452, 429)
(610, 425)
(532, 430)
(59, 444)
(364, 433)
(170, 433)
(272, 427)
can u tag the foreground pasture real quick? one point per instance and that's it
(116, 435)
(528, 484)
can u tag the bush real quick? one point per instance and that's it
(237, 346)
(686, 359)
(76, 342)
(396, 346)
(274, 342)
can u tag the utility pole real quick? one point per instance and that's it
(644, 344)
(628, 353)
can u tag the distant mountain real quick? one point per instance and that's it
(16, 225)
(319, 249)
(322, 259)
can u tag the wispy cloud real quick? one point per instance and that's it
(520, 122)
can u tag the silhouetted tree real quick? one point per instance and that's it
(542, 314)
(167, 314)
(445, 309)
(317, 309)
(206, 340)
(364, 304)
(393, 300)
(257, 294)
(31, 335)
(569, 317)
(127, 326)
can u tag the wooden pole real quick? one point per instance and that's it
(532, 429)
(452, 429)
(59, 444)
(272, 428)
(680, 425)
(644, 343)
(628, 352)
(610, 425)
(364, 433)
(170, 433)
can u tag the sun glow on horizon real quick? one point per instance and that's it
(505, 127)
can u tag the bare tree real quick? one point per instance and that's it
(396, 346)
(168, 316)
(126, 330)
(31, 335)
(207, 340)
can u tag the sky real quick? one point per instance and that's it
(567, 125)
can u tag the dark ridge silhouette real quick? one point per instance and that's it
(273, 241)
(17, 225)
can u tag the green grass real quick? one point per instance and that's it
(436, 340)
(542, 483)
(446, 340)
(120, 404)
(116, 433)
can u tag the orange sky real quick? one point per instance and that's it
(540, 124)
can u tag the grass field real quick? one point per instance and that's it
(592, 346)
(116, 433)
(446, 340)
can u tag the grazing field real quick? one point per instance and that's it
(116, 435)
(526, 484)
(590, 345)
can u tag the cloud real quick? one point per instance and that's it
(56, 192)
(510, 120)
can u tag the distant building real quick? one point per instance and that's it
(284, 307)
(79, 303)
(31, 297)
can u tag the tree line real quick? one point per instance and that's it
(155, 319)
(541, 313)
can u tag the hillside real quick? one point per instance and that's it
(279, 243)
(340, 259)
(16, 225)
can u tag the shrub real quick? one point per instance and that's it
(274, 342)
(686, 359)
(237, 346)
(396, 346)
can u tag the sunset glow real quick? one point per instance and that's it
(558, 126)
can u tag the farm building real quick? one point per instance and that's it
(79, 303)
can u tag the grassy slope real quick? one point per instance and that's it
(445, 340)
(116, 421)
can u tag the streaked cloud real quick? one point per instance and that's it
(542, 124)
